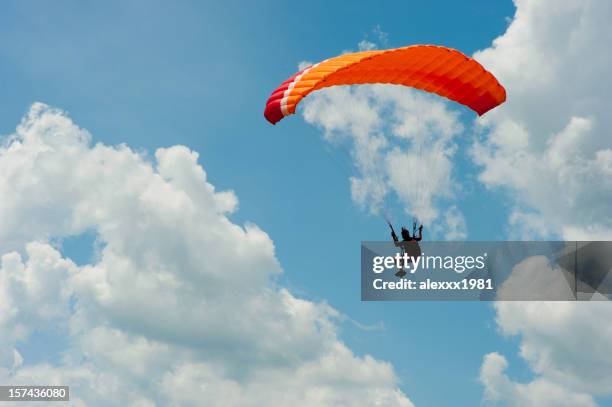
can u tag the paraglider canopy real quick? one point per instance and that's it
(444, 71)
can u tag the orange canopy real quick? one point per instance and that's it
(444, 71)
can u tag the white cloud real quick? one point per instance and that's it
(381, 36)
(375, 39)
(538, 393)
(177, 296)
(401, 142)
(365, 45)
(563, 342)
(453, 226)
(549, 144)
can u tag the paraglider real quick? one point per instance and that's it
(409, 245)
(431, 68)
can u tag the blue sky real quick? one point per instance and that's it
(157, 74)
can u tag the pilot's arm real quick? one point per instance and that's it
(418, 239)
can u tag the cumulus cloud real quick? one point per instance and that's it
(158, 316)
(401, 145)
(549, 145)
(540, 392)
(566, 344)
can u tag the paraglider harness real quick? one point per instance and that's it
(408, 245)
